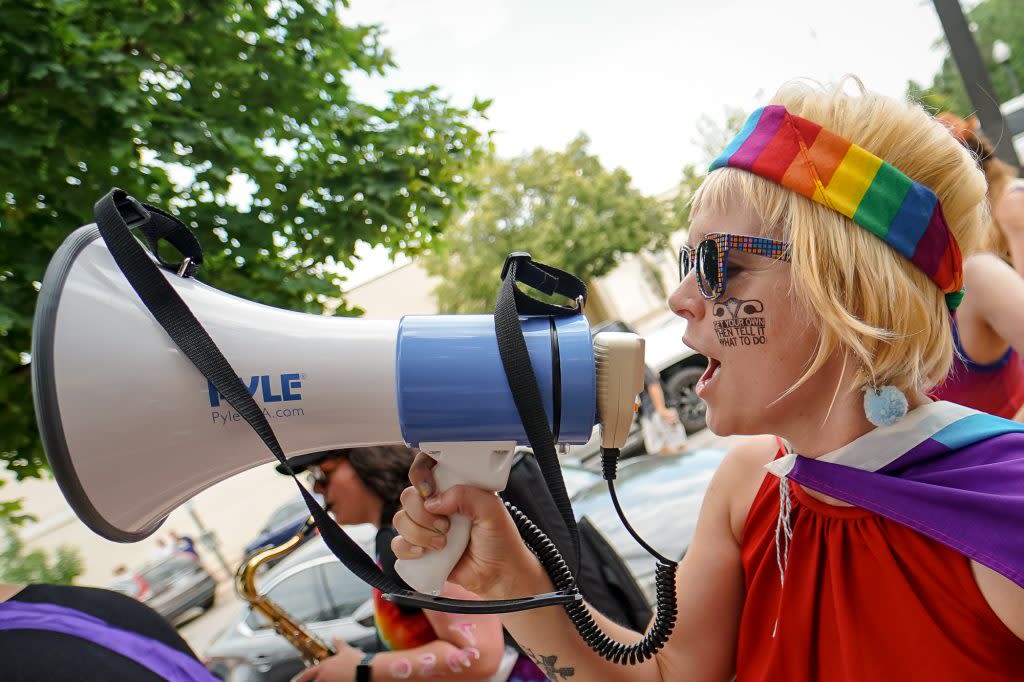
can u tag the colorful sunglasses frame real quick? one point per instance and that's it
(725, 242)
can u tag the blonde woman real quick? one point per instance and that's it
(883, 542)
(988, 373)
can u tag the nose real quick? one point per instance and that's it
(686, 301)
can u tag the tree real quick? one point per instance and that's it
(990, 20)
(564, 207)
(19, 567)
(175, 102)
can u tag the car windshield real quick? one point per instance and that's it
(578, 478)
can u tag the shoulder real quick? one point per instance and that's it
(740, 475)
(1009, 209)
(985, 270)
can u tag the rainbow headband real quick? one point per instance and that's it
(809, 160)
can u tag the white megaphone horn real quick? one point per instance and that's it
(132, 429)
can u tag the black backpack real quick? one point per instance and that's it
(602, 575)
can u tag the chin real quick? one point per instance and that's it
(727, 422)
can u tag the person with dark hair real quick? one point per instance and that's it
(364, 485)
(74, 634)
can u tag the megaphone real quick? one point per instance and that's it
(132, 429)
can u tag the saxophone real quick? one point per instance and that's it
(311, 648)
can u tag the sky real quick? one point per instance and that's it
(637, 76)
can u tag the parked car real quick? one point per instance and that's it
(283, 522)
(678, 365)
(172, 586)
(315, 589)
(661, 497)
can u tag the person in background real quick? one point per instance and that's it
(988, 330)
(66, 633)
(364, 485)
(663, 434)
(183, 544)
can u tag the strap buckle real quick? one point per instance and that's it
(133, 212)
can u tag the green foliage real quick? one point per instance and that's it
(170, 100)
(993, 20)
(17, 566)
(563, 207)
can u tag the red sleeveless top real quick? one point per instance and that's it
(864, 599)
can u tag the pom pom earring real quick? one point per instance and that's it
(885, 405)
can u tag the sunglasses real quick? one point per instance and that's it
(317, 474)
(711, 257)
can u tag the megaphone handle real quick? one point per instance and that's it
(483, 465)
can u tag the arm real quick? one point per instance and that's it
(1009, 213)
(658, 400)
(995, 291)
(468, 649)
(709, 584)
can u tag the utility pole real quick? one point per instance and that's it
(975, 77)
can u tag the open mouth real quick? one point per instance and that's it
(708, 378)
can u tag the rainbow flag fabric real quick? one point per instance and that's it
(806, 158)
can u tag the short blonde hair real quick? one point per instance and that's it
(867, 301)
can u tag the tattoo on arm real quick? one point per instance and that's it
(549, 666)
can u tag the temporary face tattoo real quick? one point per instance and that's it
(466, 629)
(739, 323)
(400, 668)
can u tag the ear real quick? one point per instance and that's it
(973, 123)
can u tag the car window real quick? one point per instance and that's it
(346, 591)
(302, 595)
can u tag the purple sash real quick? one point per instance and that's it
(951, 473)
(158, 657)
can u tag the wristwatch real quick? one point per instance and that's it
(363, 670)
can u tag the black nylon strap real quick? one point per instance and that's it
(515, 358)
(171, 312)
(188, 334)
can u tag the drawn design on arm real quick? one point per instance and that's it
(459, 660)
(428, 665)
(466, 629)
(549, 666)
(400, 668)
(734, 329)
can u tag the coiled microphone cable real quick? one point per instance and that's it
(556, 568)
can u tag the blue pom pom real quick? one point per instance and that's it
(884, 406)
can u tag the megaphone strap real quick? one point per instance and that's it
(522, 381)
(177, 320)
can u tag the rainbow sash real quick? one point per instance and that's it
(951, 473)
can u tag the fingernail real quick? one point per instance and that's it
(425, 489)
(438, 542)
(416, 549)
(432, 503)
(441, 525)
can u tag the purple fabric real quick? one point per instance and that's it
(969, 497)
(163, 660)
